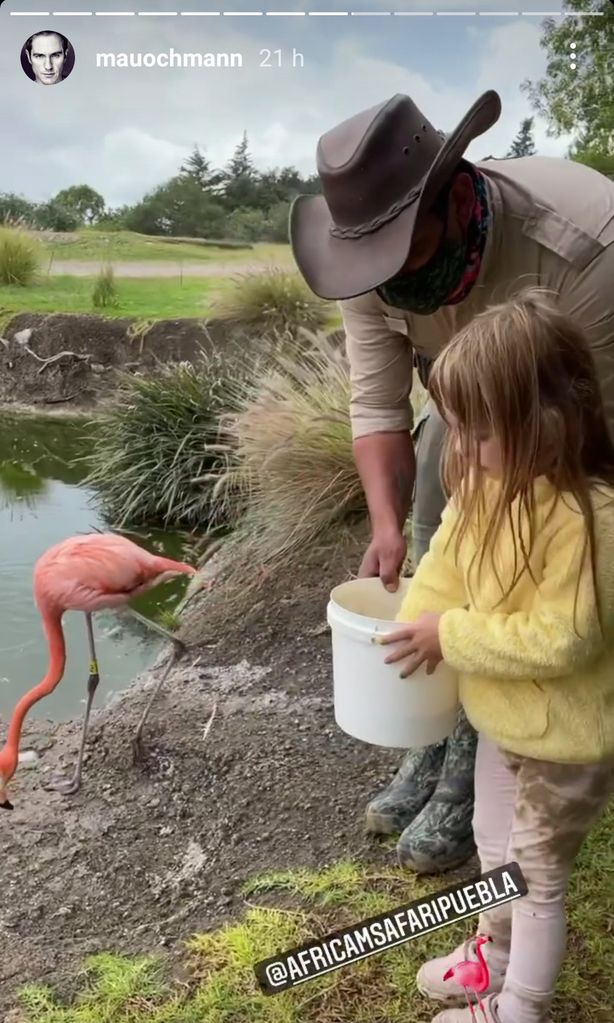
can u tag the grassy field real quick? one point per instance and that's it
(158, 298)
(152, 298)
(286, 910)
(125, 245)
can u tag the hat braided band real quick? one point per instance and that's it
(376, 222)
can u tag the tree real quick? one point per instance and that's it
(15, 209)
(241, 184)
(579, 101)
(179, 207)
(84, 202)
(595, 158)
(198, 168)
(240, 164)
(523, 144)
(53, 216)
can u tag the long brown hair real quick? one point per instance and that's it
(523, 373)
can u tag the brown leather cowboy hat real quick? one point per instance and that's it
(378, 170)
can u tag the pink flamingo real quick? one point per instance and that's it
(86, 573)
(472, 976)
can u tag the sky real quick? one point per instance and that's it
(125, 130)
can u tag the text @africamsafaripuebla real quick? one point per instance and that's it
(378, 933)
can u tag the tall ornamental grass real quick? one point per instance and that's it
(20, 258)
(290, 473)
(156, 445)
(272, 301)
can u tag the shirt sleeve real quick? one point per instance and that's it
(380, 369)
(556, 637)
(589, 299)
(438, 582)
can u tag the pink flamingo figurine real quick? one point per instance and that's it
(86, 573)
(472, 976)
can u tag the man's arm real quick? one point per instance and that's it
(381, 376)
(387, 468)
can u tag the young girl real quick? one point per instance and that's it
(517, 594)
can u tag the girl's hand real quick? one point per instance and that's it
(417, 642)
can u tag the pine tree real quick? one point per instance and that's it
(523, 144)
(198, 168)
(240, 165)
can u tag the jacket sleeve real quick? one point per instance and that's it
(588, 298)
(381, 369)
(556, 637)
(438, 583)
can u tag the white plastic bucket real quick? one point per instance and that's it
(372, 702)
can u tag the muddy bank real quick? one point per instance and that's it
(147, 854)
(70, 361)
(65, 359)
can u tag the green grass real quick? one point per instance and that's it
(157, 298)
(287, 909)
(125, 245)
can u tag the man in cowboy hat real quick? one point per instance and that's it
(414, 241)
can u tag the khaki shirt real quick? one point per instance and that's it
(552, 226)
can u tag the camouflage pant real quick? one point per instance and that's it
(536, 813)
(429, 498)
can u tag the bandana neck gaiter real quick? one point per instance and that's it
(451, 272)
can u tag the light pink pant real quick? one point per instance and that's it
(536, 813)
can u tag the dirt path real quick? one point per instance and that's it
(154, 268)
(146, 855)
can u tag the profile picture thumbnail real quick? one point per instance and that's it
(47, 57)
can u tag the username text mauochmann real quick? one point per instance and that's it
(169, 59)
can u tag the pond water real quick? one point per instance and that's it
(43, 500)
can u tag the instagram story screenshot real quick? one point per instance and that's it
(307, 511)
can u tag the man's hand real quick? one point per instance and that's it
(384, 557)
(417, 643)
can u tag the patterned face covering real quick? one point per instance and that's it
(451, 271)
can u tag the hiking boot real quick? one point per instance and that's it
(487, 1013)
(441, 836)
(410, 790)
(430, 982)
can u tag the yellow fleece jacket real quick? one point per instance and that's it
(534, 679)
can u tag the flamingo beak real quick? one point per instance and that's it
(6, 805)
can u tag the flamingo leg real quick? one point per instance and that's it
(470, 1004)
(72, 786)
(483, 1010)
(137, 745)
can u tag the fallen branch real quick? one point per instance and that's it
(55, 358)
(60, 355)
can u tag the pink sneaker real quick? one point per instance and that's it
(430, 977)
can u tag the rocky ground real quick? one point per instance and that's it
(146, 854)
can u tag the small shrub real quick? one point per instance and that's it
(152, 457)
(273, 301)
(20, 257)
(104, 295)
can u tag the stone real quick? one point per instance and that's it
(22, 337)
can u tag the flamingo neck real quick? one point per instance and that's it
(480, 955)
(52, 626)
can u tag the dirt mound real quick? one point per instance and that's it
(71, 359)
